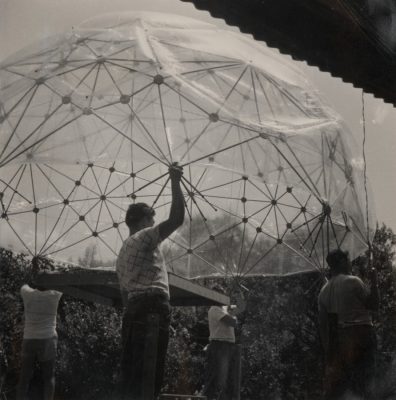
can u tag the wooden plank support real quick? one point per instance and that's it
(101, 285)
(82, 294)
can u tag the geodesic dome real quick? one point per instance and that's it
(90, 122)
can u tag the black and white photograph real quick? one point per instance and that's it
(197, 200)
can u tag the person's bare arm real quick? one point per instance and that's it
(240, 305)
(176, 215)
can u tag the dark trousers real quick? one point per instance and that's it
(220, 359)
(134, 332)
(43, 351)
(351, 363)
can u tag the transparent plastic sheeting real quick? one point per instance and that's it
(90, 122)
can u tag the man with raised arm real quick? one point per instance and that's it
(346, 329)
(144, 284)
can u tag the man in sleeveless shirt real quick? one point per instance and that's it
(144, 285)
(345, 303)
(221, 349)
(39, 337)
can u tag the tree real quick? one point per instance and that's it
(226, 246)
(89, 260)
(383, 254)
(92, 259)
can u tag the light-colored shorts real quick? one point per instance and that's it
(42, 349)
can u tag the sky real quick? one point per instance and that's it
(25, 21)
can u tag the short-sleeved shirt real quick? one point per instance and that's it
(140, 266)
(218, 328)
(346, 296)
(40, 309)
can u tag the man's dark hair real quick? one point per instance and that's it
(335, 259)
(136, 212)
(33, 271)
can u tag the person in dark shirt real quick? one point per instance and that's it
(346, 329)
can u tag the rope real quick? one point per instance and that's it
(365, 180)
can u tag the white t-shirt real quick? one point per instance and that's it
(218, 328)
(40, 312)
(140, 265)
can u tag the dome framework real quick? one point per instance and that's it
(91, 121)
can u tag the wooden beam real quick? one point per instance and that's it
(86, 295)
(100, 285)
